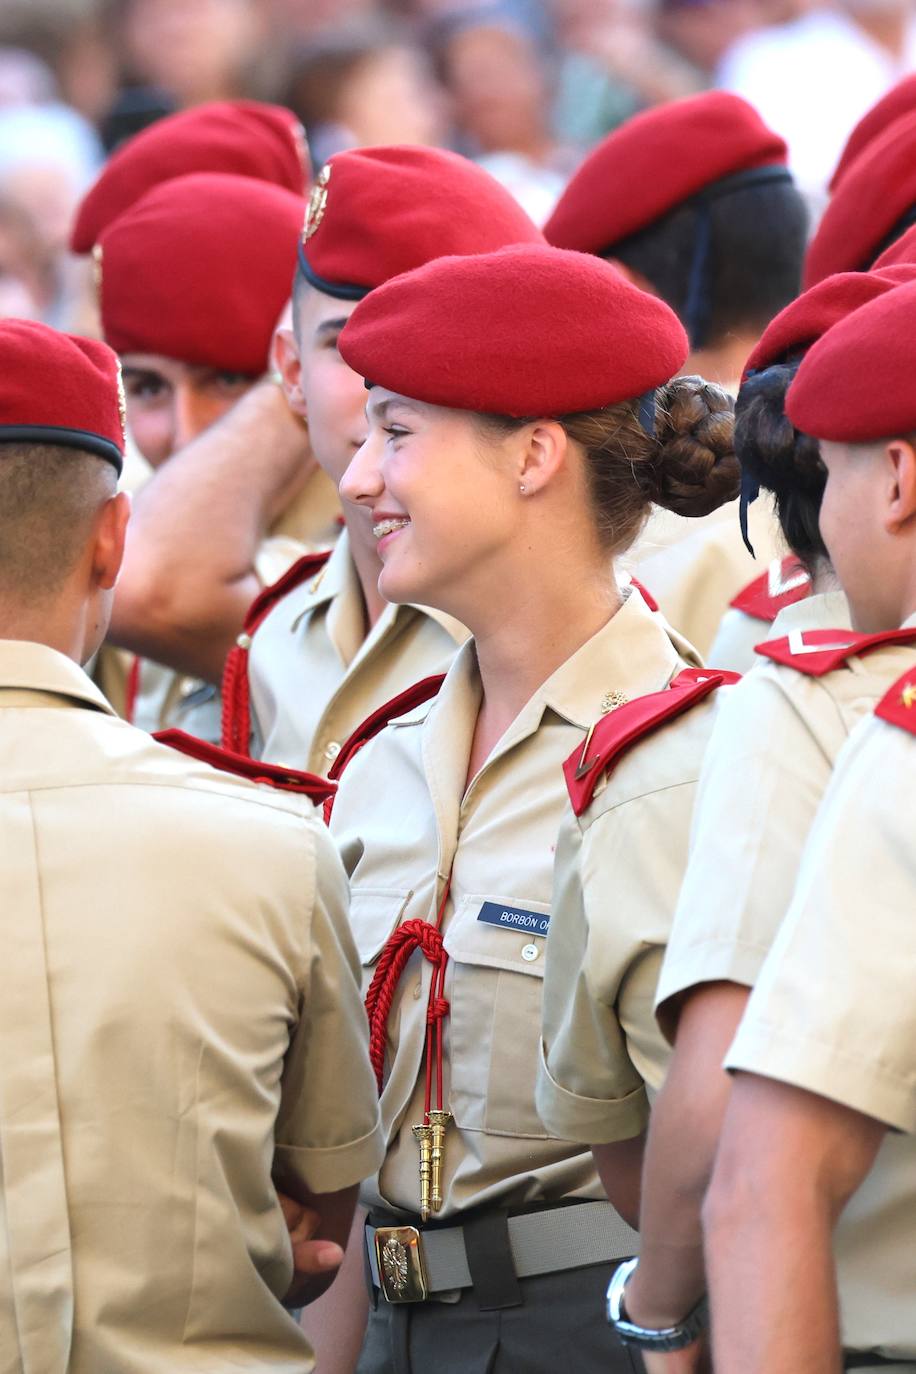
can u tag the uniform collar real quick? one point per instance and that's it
(31, 667)
(823, 611)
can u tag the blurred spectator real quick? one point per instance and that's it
(702, 31)
(25, 79)
(813, 75)
(365, 86)
(70, 37)
(205, 50)
(27, 281)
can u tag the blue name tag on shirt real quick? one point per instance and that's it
(514, 918)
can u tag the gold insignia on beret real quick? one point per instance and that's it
(317, 205)
(122, 404)
(97, 271)
(908, 695)
(300, 143)
(611, 700)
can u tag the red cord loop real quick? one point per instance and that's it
(393, 959)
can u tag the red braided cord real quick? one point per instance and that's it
(392, 961)
(236, 720)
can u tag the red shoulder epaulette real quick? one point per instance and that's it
(816, 652)
(614, 734)
(784, 583)
(646, 595)
(236, 723)
(898, 706)
(319, 790)
(375, 723)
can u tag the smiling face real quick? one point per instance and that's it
(443, 494)
(169, 403)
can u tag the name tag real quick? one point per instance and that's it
(514, 918)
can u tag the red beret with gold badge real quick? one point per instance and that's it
(60, 389)
(527, 331)
(855, 385)
(873, 204)
(899, 100)
(658, 160)
(377, 212)
(241, 137)
(811, 314)
(199, 270)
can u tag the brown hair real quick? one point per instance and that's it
(687, 465)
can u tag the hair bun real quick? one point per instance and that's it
(695, 466)
(769, 448)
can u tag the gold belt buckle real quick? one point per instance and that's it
(399, 1254)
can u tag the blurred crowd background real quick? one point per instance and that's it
(523, 86)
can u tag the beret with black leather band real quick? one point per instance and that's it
(899, 100)
(241, 137)
(855, 385)
(377, 212)
(657, 161)
(60, 389)
(526, 331)
(199, 271)
(873, 205)
(811, 314)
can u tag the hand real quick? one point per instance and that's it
(311, 1258)
(693, 1359)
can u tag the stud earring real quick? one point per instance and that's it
(522, 488)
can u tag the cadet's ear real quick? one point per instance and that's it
(546, 445)
(111, 532)
(286, 360)
(901, 491)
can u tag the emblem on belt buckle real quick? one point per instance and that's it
(399, 1255)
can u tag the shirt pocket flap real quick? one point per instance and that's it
(374, 913)
(470, 940)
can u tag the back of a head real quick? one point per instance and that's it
(61, 447)
(199, 270)
(237, 137)
(696, 197)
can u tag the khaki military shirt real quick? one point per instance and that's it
(180, 1016)
(768, 765)
(693, 568)
(618, 870)
(833, 1012)
(315, 674)
(403, 820)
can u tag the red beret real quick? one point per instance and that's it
(901, 253)
(899, 100)
(199, 270)
(811, 314)
(527, 331)
(875, 194)
(656, 161)
(855, 385)
(377, 212)
(243, 137)
(60, 389)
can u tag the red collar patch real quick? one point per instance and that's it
(898, 706)
(784, 583)
(318, 790)
(614, 734)
(817, 652)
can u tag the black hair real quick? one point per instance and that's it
(757, 236)
(782, 460)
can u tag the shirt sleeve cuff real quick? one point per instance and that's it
(331, 1168)
(823, 1069)
(714, 961)
(588, 1120)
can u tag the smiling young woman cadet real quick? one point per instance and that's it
(523, 461)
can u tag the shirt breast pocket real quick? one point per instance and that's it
(374, 913)
(495, 992)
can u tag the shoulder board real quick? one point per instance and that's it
(236, 722)
(646, 595)
(898, 706)
(817, 652)
(374, 724)
(318, 790)
(784, 583)
(614, 734)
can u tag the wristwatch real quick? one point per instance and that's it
(647, 1337)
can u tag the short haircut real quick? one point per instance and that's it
(49, 498)
(757, 238)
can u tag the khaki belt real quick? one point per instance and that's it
(410, 1265)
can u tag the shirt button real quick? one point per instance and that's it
(332, 750)
(530, 953)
